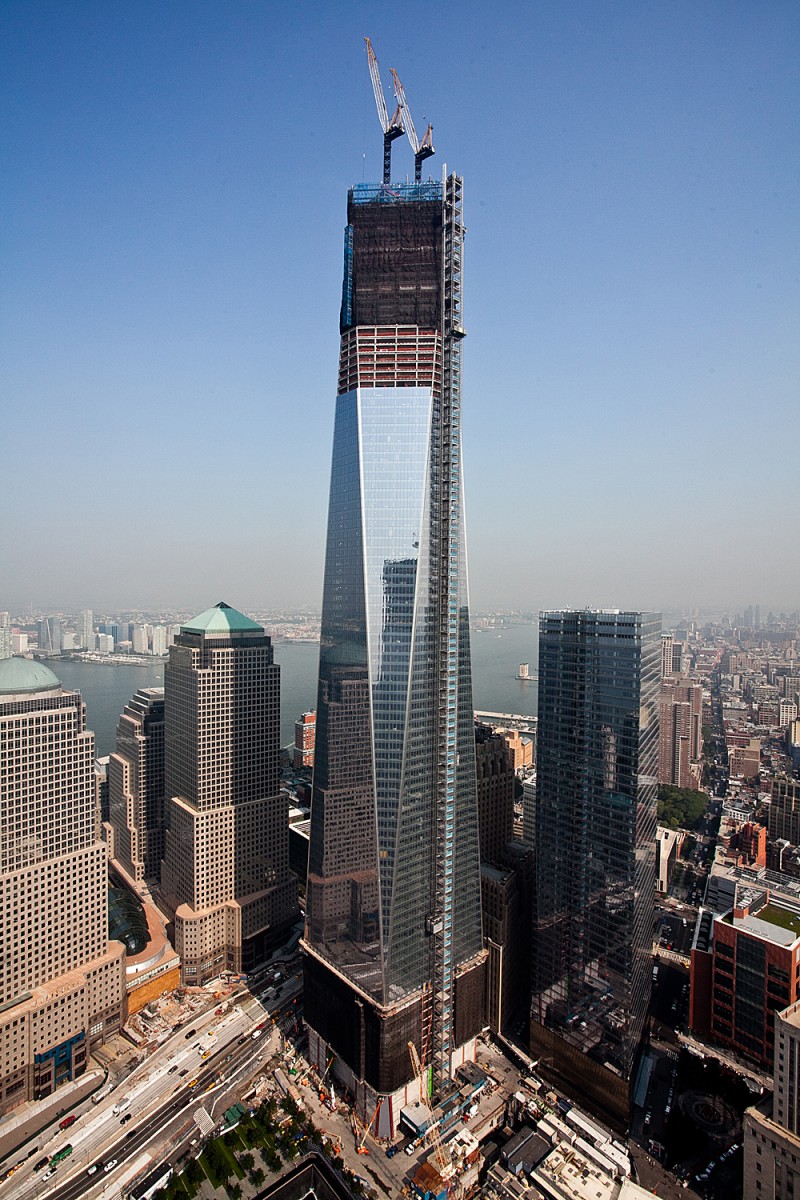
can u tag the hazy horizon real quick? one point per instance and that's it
(671, 615)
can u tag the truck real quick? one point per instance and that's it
(101, 1095)
(121, 1106)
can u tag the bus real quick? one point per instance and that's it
(60, 1155)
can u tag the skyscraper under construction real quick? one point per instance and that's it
(393, 937)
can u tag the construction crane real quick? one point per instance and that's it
(422, 149)
(443, 1162)
(322, 1078)
(361, 1148)
(391, 129)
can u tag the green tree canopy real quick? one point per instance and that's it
(680, 808)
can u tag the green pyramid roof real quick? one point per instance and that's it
(222, 619)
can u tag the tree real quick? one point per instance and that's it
(194, 1172)
(247, 1161)
(257, 1177)
(219, 1162)
(235, 1191)
(680, 807)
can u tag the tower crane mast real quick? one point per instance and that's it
(391, 128)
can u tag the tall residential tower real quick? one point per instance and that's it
(597, 780)
(393, 931)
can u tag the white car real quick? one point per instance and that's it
(112, 1162)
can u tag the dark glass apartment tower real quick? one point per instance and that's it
(597, 779)
(393, 931)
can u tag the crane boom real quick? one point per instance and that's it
(403, 103)
(422, 149)
(391, 128)
(377, 86)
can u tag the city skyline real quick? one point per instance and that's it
(552, 949)
(172, 237)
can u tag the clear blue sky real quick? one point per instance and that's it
(173, 198)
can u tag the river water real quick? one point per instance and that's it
(496, 656)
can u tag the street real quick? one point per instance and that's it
(204, 1067)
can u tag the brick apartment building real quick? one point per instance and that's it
(745, 967)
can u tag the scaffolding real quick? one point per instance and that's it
(396, 193)
(447, 541)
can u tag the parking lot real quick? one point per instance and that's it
(674, 931)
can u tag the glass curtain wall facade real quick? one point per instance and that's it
(597, 782)
(393, 901)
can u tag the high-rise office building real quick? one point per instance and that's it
(48, 630)
(597, 768)
(495, 770)
(62, 983)
(141, 639)
(159, 640)
(772, 1129)
(502, 907)
(393, 942)
(783, 815)
(136, 786)
(225, 873)
(86, 629)
(6, 643)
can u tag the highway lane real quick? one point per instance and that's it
(234, 1057)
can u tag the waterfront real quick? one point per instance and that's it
(496, 655)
